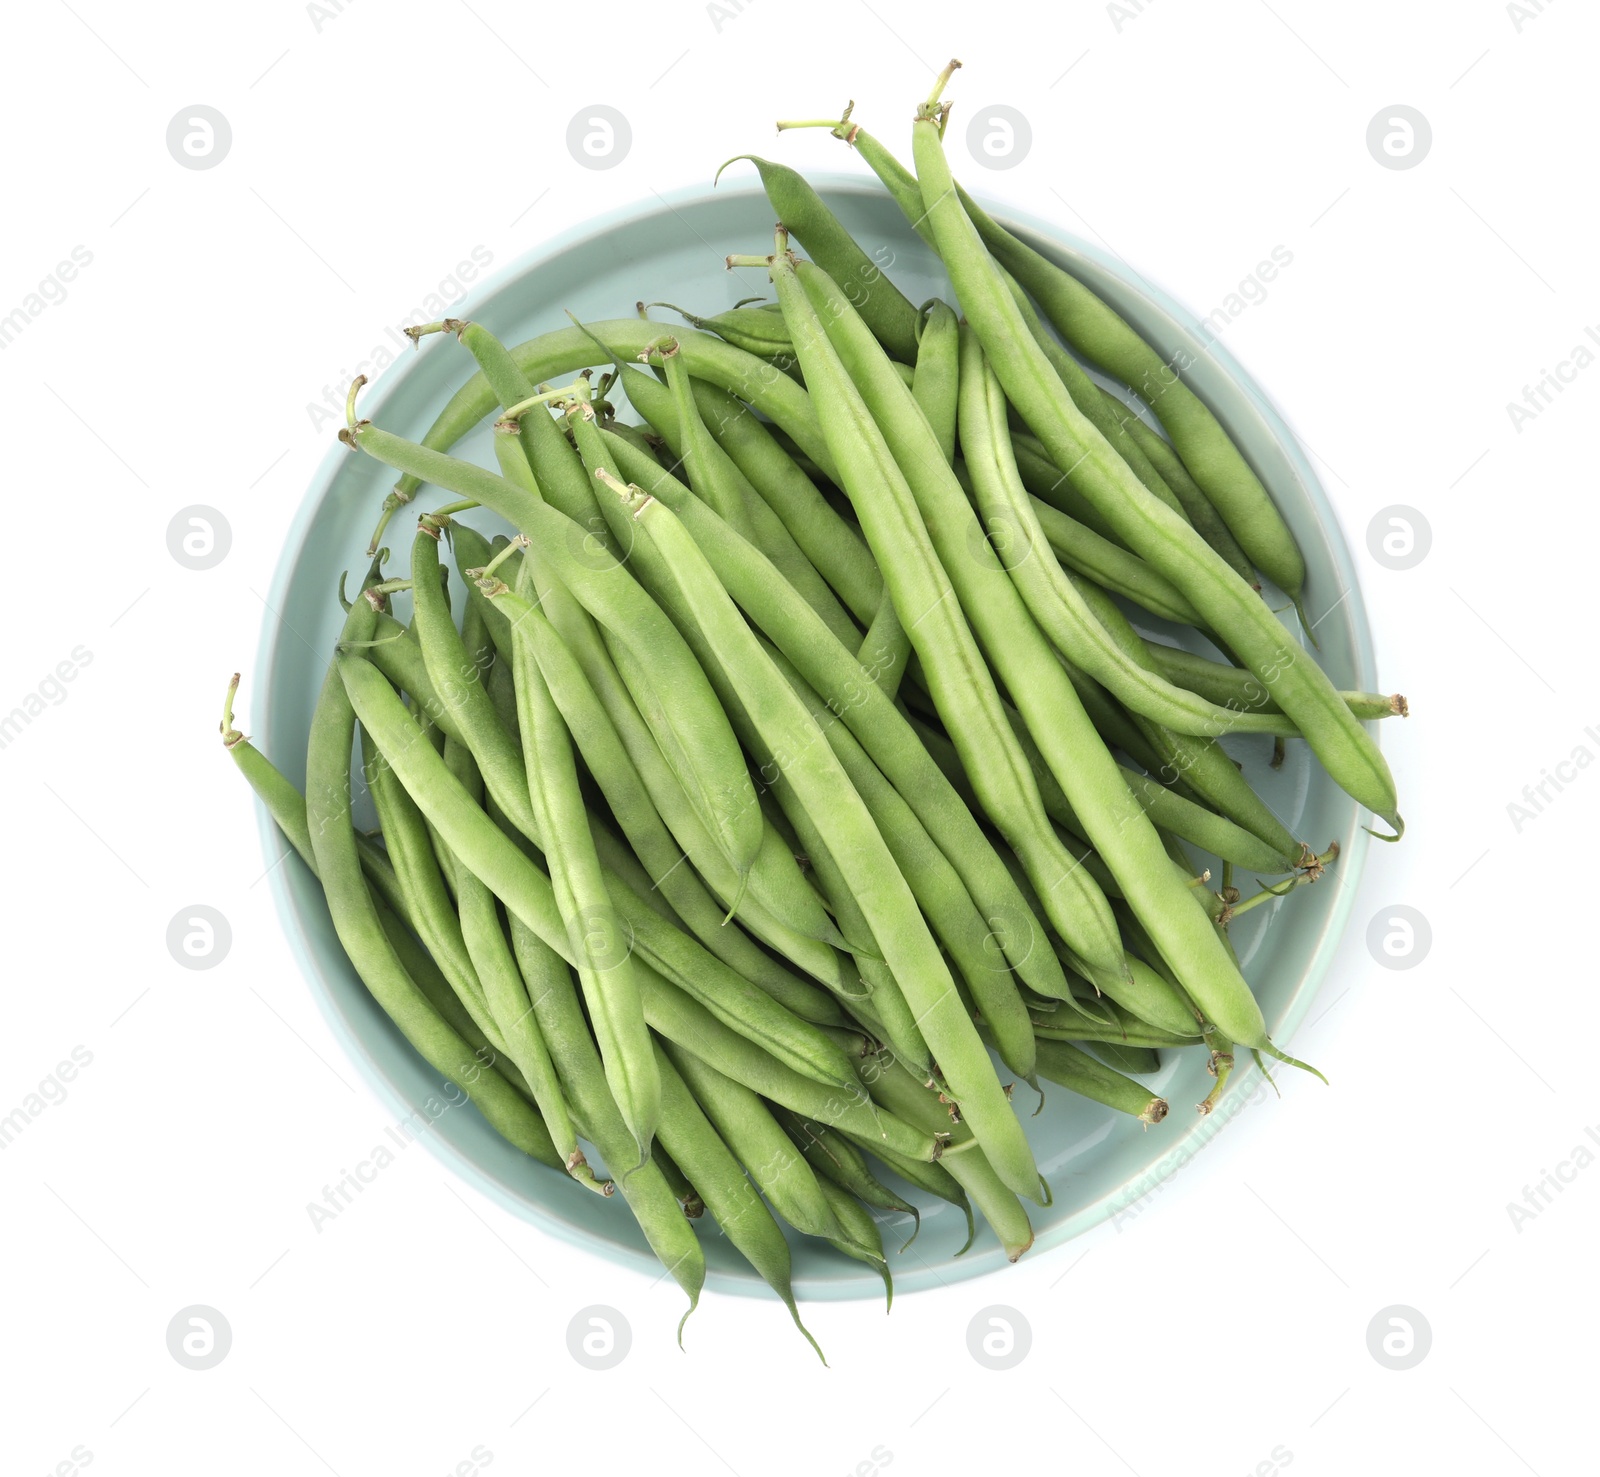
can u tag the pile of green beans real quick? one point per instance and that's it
(825, 750)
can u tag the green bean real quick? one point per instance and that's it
(1238, 685)
(1078, 547)
(874, 720)
(885, 649)
(1077, 1071)
(427, 906)
(640, 437)
(897, 1090)
(287, 807)
(750, 1130)
(612, 766)
(1086, 395)
(645, 1188)
(775, 891)
(355, 916)
(699, 744)
(750, 329)
(902, 186)
(683, 1021)
(721, 1184)
(810, 766)
(728, 484)
(495, 857)
(401, 661)
(1127, 1031)
(1214, 833)
(693, 1206)
(1104, 337)
(1134, 1061)
(891, 1008)
(711, 473)
(778, 875)
(1148, 526)
(1048, 484)
(1197, 507)
(943, 641)
(607, 969)
(938, 370)
(832, 545)
(932, 1179)
(1204, 767)
(861, 1238)
(881, 1004)
(881, 304)
(1057, 602)
(567, 349)
(834, 1157)
(934, 882)
(561, 480)
(507, 998)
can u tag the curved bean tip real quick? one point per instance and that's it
(726, 162)
(1395, 819)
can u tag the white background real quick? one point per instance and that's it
(1225, 1330)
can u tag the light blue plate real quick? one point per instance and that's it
(1098, 1162)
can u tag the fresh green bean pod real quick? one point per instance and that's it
(835, 1158)
(811, 767)
(699, 743)
(881, 304)
(607, 968)
(480, 844)
(1197, 506)
(1238, 686)
(935, 382)
(897, 1090)
(1056, 601)
(686, 1023)
(1098, 332)
(1151, 529)
(1077, 1071)
(1132, 1061)
(355, 916)
(873, 718)
(750, 329)
(649, 1196)
(1079, 548)
(721, 1184)
(935, 884)
(759, 1142)
(924, 596)
(861, 1238)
